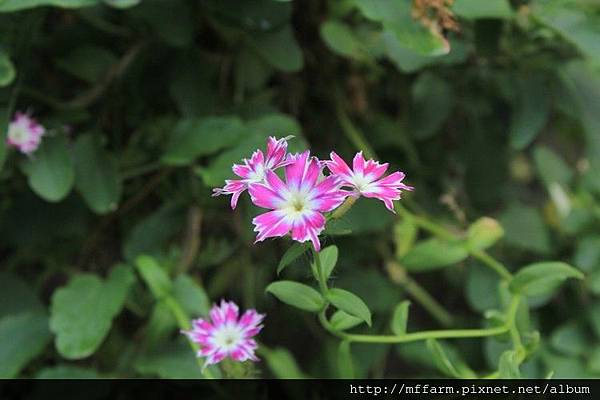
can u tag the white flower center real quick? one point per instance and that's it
(361, 182)
(18, 134)
(228, 337)
(258, 175)
(297, 203)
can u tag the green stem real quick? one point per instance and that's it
(344, 208)
(183, 321)
(424, 335)
(320, 273)
(492, 263)
(428, 302)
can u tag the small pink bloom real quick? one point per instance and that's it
(365, 178)
(24, 133)
(254, 170)
(298, 203)
(226, 334)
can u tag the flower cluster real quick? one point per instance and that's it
(226, 334)
(25, 133)
(297, 202)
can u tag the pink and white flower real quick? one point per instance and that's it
(365, 178)
(298, 203)
(25, 133)
(226, 334)
(254, 169)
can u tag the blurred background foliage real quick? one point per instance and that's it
(491, 107)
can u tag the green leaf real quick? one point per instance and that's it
(350, 303)
(328, 257)
(381, 10)
(543, 277)
(191, 296)
(195, 137)
(88, 63)
(482, 287)
(16, 296)
(476, 9)
(432, 102)
(340, 321)
(449, 364)
(484, 233)
(290, 255)
(434, 253)
(22, 337)
(7, 69)
(551, 167)
(65, 371)
(400, 318)
(16, 5)
(344, 361)
(414, 36)
(525, 229)
(155, 276)
(587, 254)
(530, 111)
(82, 312)
(171, 360)
(280, 49)
(51, 170)
(570, 339)
(342, 40)
(282, 363)
(171, 20)
(508, 367)
(122, 3)
(297, 295)
(97, 175)
(405, 234)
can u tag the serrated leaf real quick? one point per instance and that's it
(82, 312)
(97, 175)
(543, 277)
(51, 171)
(341, 320)
(290, 255)
(400, 318)
(297, 295)
(434, 253)
(350, 303)
(155, 276)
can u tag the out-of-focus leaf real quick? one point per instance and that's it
(195, 137)
(570, 339)
(342, 40)
(449, 364)
(434, 253)
(551, 167)
(587, 254)
(280, 49)
(22, 337)
(530, 112)
(7, 69)
(172, 360)
(82, 312)
(16, 5)
(290, 255)
(542, 277)
(191, 296)
(16, 296)
(405, 234)
(122, 3)
(400, 318)
(51, 172)
(97, 174)
(483, 233)
(155, 276)
(525, 229)
(65, 371)
(350, 303)
(282, 363)
(89, 63)
(482, 288)
(432, 103)
(475, 9)
(297, 295)
(341, 321)
(172, 20)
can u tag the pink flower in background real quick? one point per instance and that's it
(254, 169)
(226, 334)
(298, 203)
(25, 133)
(365, 178)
